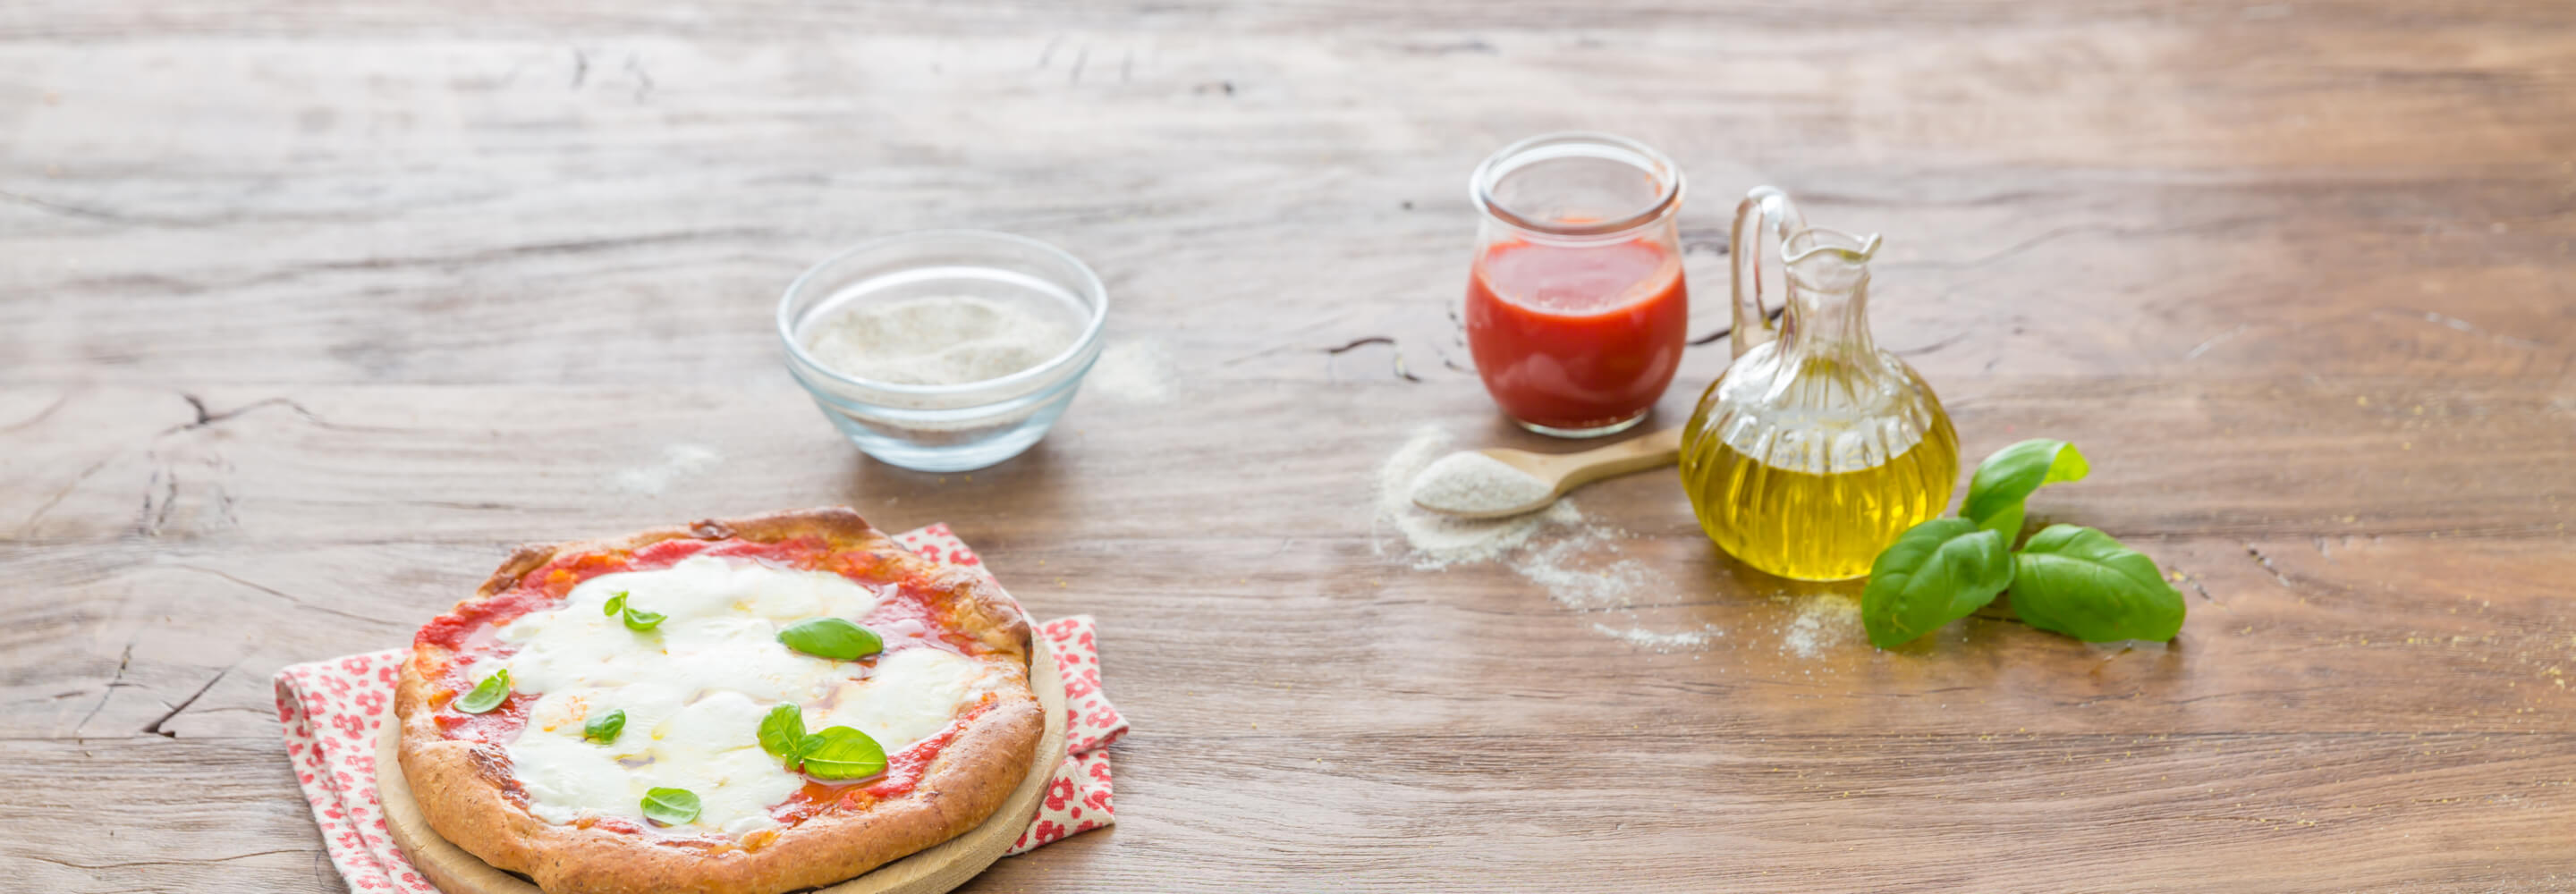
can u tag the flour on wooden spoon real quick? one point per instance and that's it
(1471, 483)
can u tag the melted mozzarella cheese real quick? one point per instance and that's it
(696, 687)
(914, 694)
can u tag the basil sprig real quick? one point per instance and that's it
(604, 728)
(638, 621)
(836, 752)
(831, 638)
(670, 806)
(2067, 579)
(488, 694)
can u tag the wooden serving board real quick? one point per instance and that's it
(941, 868)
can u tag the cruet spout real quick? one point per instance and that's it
(1828, 260)
(1765, 210)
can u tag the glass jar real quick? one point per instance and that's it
(1576, 307)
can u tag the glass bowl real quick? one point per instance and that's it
(946, 428)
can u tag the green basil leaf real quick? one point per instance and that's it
(2007, 478)
(831, 638)
(616, 604)
(488, 694)
(782, 733)
(807, 745)
(642, 622)
(1935, 573)
(2080, 582)
(843, 753)
(670, 806)
(604, 728)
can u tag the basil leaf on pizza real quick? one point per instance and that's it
(670, 806)
(642, 622)
(782, 733)
(604, 728)
(488, 694)
(843, 753)
(615, 604)
(831, 638)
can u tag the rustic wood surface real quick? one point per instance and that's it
(308, 311)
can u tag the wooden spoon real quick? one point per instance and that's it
(1563, 472)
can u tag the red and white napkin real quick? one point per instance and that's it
(331, 711)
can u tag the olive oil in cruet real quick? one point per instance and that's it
(1814, 449)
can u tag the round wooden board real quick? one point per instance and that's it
(941, 868)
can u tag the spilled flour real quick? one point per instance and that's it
(678, 461)
(1823, 619)
(1577, 562)
(1132, 372)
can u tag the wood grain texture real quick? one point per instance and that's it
(309, 311)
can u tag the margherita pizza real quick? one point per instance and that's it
(744, 707)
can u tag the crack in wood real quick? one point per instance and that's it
(41, 415)
(1471, 45)
(206, 417)
(156, 513)
(2053, 235)
(105, 692)
(1935, 346)
(191, 861)
(155, 726)
(29, 524)
(65, 209)
(643, 79)
(2266, 562)
(1401, 371)
(2195, 585)
(1771, 316)
(471, 258)
(289, 597)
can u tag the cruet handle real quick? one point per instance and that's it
(1771, 212)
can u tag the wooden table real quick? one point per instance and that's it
(310, 312)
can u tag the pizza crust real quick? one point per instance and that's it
(461, 785)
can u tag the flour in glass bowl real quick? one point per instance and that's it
(937, 340)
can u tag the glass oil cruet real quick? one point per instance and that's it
(1814, 448)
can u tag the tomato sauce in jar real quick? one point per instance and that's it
(1576, 338)
(1576, 305)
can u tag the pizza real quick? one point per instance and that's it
(735, 707)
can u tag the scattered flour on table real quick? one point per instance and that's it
(1578, 563)
(1823, 619)
(1132, 372)
(937, 340)
(678, 461)
(1471, 482)
(1661, 642)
